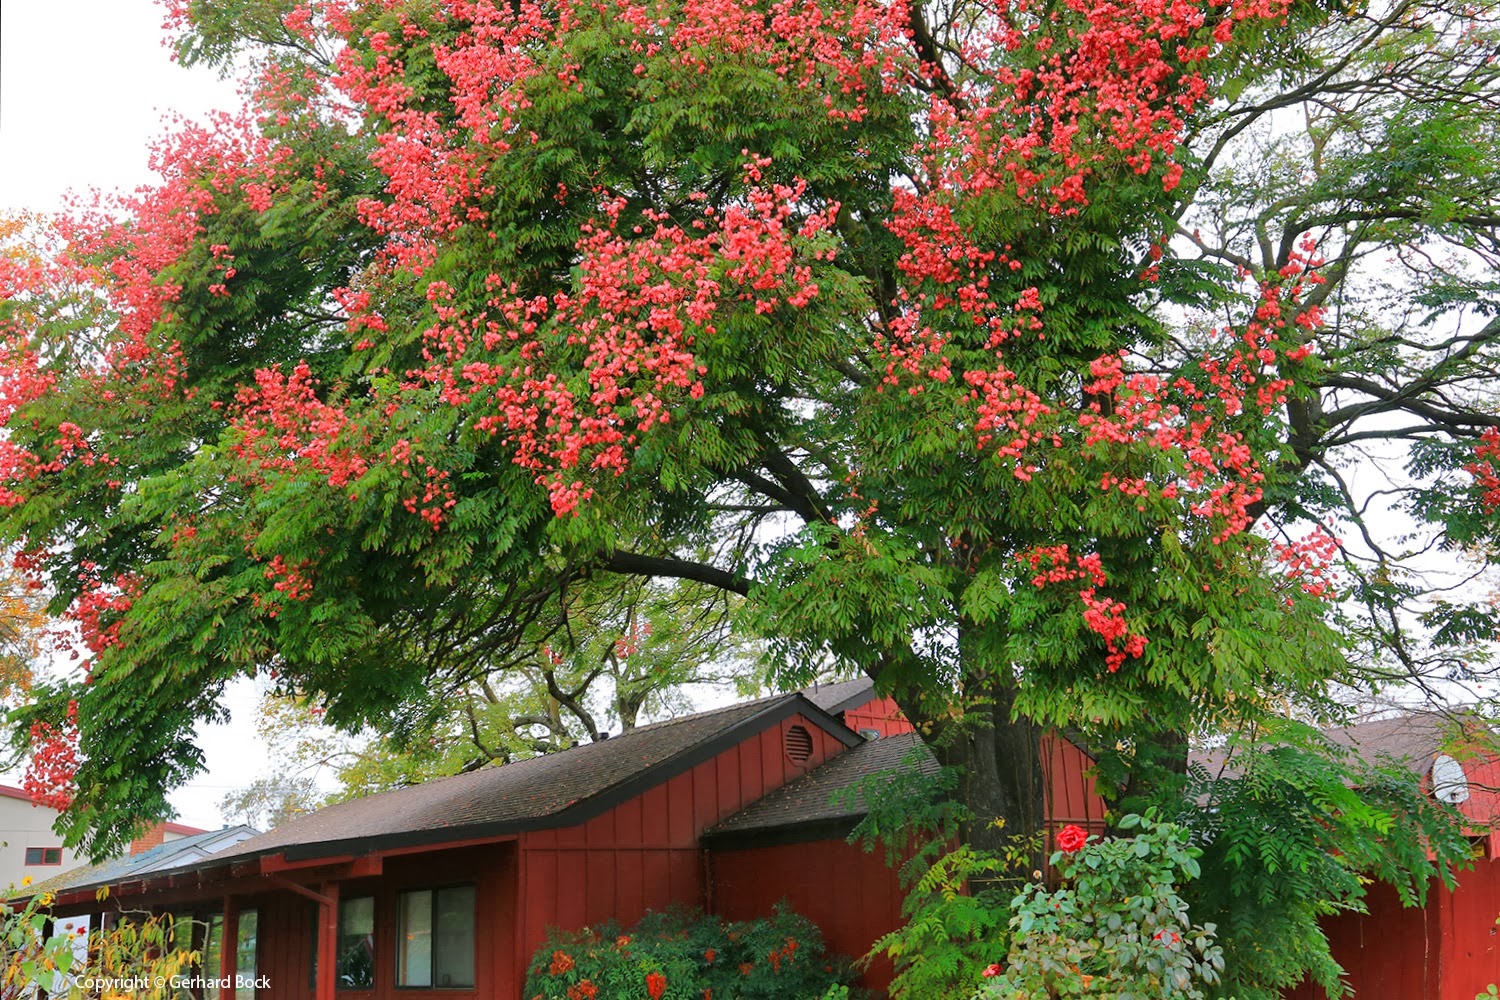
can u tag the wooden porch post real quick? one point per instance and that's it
(229, 947)
(328, 922)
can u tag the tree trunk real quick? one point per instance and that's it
(1001, 756)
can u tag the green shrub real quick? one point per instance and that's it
(682, 955)
(1115, 927)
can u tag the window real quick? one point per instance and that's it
(44, 855)
(244, 961)
(435, 938)
(356, 944)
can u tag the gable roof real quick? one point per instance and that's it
(1413, 739)
(553, 790)
(840, 696)
(808, 802)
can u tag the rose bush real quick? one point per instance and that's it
(1115, 927)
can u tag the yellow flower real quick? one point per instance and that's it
(25, 881)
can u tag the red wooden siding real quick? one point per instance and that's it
(1483, 804)
(1467, 920)
(1447, 950)
(880, 714)
(283, 944)
(644, 854)
(1071, 793)
(853, 896)
(286, 922)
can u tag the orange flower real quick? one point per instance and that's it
(656, 985)
(710, 955)
(745, 968)
(585, 990)
(622, 940)
(561, 962)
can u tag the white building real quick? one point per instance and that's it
(29, 847)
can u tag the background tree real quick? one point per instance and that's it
(267, 803)
(614, 652)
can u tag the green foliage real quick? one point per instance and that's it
(777, 958)
(955, 923)
(137, 948)
(1293, 830)
(1115, 927)
(954, 909)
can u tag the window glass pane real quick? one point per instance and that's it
(453, 942)
(244, 963)
(414, 940)
(211, 949)
(356, 944)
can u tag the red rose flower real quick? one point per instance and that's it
(1070, 838)
(993, 971)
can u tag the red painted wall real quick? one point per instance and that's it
(287, 920)
(853, 896)
(1447, 950)
(644, 854)
(879, 713)
(1071, 793)
(1470, 936)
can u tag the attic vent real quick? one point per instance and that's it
(798, 744)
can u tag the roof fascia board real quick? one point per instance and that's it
(835, 828)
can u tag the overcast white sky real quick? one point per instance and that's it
(85, 85)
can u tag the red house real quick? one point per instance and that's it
(1450, 948)
(448, 887)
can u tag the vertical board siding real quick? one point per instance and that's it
(643, 854)
(283, 944)
(1471, 938)
(287, 920)
(1071, 793)
(878, 713)
(1447, 950)
(852, 895)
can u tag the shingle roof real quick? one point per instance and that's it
(556, 789)
(1413, 739)
(809, 799)
(840, 695)
(160, 857)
